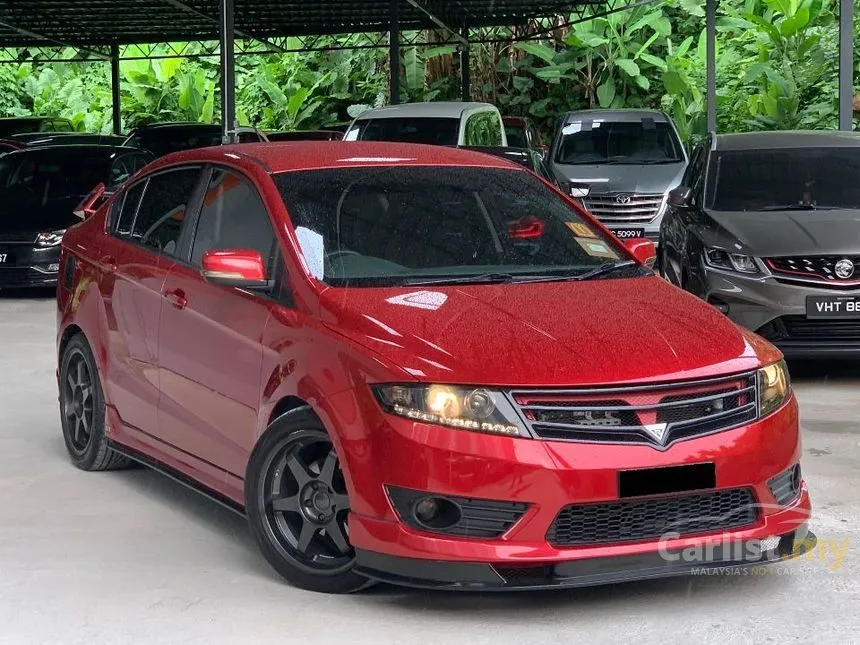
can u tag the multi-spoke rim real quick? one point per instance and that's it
(305, 504)
(78, 398)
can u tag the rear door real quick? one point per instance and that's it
(146, 233)
(210, 336)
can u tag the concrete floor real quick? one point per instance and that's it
(131, 557)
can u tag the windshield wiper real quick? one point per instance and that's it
(463, 279)
(603, 269)
(793, 207)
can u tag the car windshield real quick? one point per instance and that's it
(163, 141)
(379, 226)
(434, 131)
(12, 127)
(784, 179)
(596, 141)
(46, 176)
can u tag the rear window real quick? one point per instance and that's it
(784, 179)
(161, 142)
(434, 131)
(597, 141)
(409, 225)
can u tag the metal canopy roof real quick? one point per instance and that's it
(27, 23)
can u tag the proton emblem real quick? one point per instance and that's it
(657, 431)
(623, 199)
(844, 269)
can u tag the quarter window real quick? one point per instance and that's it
(233, 217)
(163, 209)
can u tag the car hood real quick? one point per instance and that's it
(624, 178)
(22, 222)
(792, 232)
(545, 334)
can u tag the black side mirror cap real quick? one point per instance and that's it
(681, 197)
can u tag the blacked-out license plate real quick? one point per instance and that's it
(833, 306)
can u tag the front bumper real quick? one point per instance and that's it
(27, 267)
(728, 558)
(761, 304)
(381, 451)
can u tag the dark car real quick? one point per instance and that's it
(531, 159)
(305, 135)
(17, 125)
(163, 138)
(32, 139)
(39, 190)
(522, 133)
(766, 227)
(10, 145)
(420, 365)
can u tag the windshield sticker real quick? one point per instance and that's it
(313, 248)
(431, 300)
(581, 230)
(596, 248)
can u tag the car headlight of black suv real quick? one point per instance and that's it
(735, 262)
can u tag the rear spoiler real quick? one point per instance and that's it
(91, 202)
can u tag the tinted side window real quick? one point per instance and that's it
(162, 210)
(127, 205)
(126, 165)
(249, 137)
(233, 217)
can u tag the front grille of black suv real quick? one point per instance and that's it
(630, 414)
(803, 329)
(817, 269)
(650, 518)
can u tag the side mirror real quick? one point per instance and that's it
(235, 268)
(90, 204)
(643, 250)
(681, 197)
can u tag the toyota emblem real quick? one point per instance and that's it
(844, 269)
(623, 198)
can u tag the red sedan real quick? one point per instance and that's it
(420, 365)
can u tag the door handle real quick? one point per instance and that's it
(176, 297)
(109, 263)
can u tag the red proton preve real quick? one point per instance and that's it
(424, 366)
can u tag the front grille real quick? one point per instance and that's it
(653, 517)
(820, 330)
(786, 486)
(478, 518)
(658, 415)
(819, 269)
(624, 208)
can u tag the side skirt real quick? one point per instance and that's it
(178, 477)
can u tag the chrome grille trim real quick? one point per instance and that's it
(641, 208)
(682, 412)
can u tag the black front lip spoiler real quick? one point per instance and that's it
(476, 576)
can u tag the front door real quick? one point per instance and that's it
(210, 336)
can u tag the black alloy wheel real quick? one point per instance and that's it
(298, 506)
(82, 410)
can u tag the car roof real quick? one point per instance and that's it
(434, 109)
(787, 139)
(288, 156)
(70, 148)
(179, 125)
(32, 118)
(620, 115)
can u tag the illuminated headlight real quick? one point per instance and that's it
(475, 409)
(50, 238)
(774, 386)
(720, 259)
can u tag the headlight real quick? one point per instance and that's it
(475, 409)
(720, 259)
(51, 238)
(774, 386)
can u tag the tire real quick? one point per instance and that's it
(297, 505)
(82, 410)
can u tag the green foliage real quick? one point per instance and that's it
(775, 70)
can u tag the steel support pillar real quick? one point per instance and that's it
(846, 65)
(711, 63)
(114, 89)
(394, 53)
(465, 68)
(228, 72)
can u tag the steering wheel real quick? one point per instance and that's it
(333, 254)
